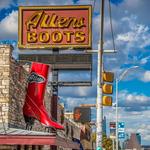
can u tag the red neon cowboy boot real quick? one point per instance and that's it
(34, 103)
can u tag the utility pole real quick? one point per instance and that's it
(99, 83)
(116, 114)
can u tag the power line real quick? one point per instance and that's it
(94, 5)
(111, 26)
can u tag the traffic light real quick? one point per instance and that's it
(107, 101)
(107, 88)
(108, 76)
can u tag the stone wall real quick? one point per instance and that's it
(5, 57)
(17, 91)
(13, 84)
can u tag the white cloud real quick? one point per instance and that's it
(9, 26)
(144, 60)
(85, 2)
(137, 98)
(131, 32)
(146, 76)
(133, 4)
(46, 2)
(147, 137)
(5, 3)
(71, 102)
(60, 2)
(133, 99)
(136, 37)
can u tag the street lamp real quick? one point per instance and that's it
(117, 81)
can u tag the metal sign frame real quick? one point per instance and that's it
(63, 62)
(60, 61)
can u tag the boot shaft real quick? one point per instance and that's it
(37, 81)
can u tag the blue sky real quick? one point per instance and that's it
(131, 23)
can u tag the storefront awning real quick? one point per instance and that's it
(35, 138)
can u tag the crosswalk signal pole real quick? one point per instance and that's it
(99, 83)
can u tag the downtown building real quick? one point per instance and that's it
(133, 143)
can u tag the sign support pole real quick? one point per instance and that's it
(55, 93)
(116, 114)
(113, 144)
(99, 83)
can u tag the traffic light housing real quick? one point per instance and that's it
(107, 101)
(107, 88)
(108, 76)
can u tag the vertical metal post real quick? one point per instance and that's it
(113, 144)
(55, 86)
(117, 114)
(99, 83)
(55, 93)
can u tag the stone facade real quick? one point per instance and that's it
(13, 84)
(5, 60)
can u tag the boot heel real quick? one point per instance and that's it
(29, 122)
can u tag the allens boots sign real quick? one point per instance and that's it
(49, 27)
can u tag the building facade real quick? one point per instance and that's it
(13, 84)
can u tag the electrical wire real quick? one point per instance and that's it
(111, 26)
(94, 5)
(27, 2)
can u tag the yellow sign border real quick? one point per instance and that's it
(42, 46)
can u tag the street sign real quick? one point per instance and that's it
(121, 130)
(121, 125)
(112, 126)
(121, 135)
(112, 133)
(99, 148)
